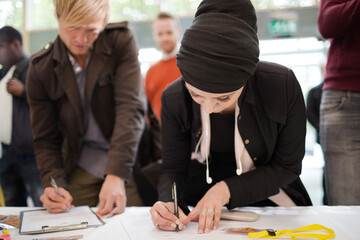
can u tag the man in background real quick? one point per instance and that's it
(19, 175)
(313, 114)
(339, 21)
(166, 32)
(87, 109)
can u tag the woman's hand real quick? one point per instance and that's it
(162, 215)
(208, 209)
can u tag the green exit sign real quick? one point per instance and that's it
(283, 28)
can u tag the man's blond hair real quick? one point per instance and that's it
(77, 13)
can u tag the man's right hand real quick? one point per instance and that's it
(55, 203)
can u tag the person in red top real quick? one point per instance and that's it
(339, 21)
(166, 32)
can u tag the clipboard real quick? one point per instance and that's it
(41, 221)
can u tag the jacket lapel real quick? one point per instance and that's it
(65, 75)
(96, 65)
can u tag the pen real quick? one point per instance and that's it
(112, 212)
(174, 196)
(54, 185)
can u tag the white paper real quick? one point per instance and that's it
(33, 221)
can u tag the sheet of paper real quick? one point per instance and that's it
(134, 219)
(33, 221)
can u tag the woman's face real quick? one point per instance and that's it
(215, 102)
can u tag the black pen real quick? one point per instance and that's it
(174, 196)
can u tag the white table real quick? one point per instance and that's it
(136, 223)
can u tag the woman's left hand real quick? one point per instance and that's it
(208, 209)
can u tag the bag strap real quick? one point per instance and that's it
(294, 233)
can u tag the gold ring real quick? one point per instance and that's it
(157, 226)
(210, 210)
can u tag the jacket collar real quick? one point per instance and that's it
(66, 77)
(20, 67)
(275, 110)
(100, 55)
(65, 74)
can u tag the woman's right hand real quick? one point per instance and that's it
(162, 215)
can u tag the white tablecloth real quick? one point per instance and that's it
(136, 223)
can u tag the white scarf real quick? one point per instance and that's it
(244, 162)
(243, 159)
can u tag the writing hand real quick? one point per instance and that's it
(112, 193)
(55, 203)
(162, 215)
(208, 209)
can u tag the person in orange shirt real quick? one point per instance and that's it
(166, 31)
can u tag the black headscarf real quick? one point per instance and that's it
(220, 50)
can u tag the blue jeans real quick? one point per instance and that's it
(20, 178)
(340, 141)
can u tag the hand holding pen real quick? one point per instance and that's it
(56, 199)
(167, 216)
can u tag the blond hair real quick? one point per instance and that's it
(76, 13)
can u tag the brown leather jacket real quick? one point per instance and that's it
(114, 92)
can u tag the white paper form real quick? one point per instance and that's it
(33, 221)
(138, 225)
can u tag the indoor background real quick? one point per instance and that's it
(287, 30)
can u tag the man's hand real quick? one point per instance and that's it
(15, 87)
(55, 203)
(208, 209)
(112, 193)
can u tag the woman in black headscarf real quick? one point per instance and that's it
(233, 128)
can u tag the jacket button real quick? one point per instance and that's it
(239, 117)
(247, 141)
(255, 158)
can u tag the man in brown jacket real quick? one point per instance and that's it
(87, 108)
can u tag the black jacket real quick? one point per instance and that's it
(21, 139)
(273, 121)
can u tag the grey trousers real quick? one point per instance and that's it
(340, 141)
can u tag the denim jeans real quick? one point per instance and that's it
(20, 178)
(340, 141)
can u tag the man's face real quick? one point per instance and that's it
(7, 54)
(79, 39)
(166, 34)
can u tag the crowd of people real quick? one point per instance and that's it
(226, 127)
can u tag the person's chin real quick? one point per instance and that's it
(80, 50)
